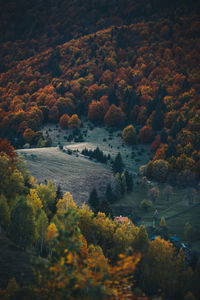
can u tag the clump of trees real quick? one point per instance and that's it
(96, 154)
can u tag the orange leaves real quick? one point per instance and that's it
(114, 116)
(52, 232)
(6, 147)
(74, 122)
(146, 134)
(29, 135)
(64, 121)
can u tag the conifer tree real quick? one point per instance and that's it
(129, 181)
(123, 184)
(118, 165)
(109, 193)
(118, 185)
(94, 200)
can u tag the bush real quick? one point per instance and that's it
(145, 204)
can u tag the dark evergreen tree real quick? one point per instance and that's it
(163, 136)
(129, 181)
(94, 200)
(171, 150)
(105, 208)
(158, 117)
(109, 194)
(118, 165)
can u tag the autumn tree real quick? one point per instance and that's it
(129, 135)
(146, 134)
(114, 117)
(74, 122)
(64, 121)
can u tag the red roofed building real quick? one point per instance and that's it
(120, 219)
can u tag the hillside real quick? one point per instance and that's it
(145, 74)
(30, 27)
(74, 174)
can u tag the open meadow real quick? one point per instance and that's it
(74, 174)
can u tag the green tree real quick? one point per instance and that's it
(47, 194)
(141, 240)
(109, 194)
(129, 181)
(105, 207)
(4, 213)
(123, 184)
(118, 185)
(94, 199)
(42, 225)
(22, 226)
(118, 165)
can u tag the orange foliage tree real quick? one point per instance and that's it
(64, 121)
(114, 116)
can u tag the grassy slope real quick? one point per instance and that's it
(74, 174)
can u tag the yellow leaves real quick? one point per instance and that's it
(51, 232)
(69, 258)
(34, 200)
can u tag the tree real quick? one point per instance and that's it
(34, 200)
(163, 222)
(160, 170)
(96, 112)
(123, 184)
(47, 194)
(94, 200)
(167, 192)
(118, 186)
(117, 164)
(129, 181)
(4, 213)
(109, 194)
(74, 122)
(129, 135)
(64, 121)
(146, 134)
(22, 228)
(29, 135)
(105, 207)
(141, 240)
(158, 117)
(146, 204)
(154, 194)
(114, 116)
(42, 224)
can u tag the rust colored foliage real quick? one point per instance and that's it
(146, 134)
(29, 135)
(6, 147)
(114, 116)
(97, 110)
(64, 121)
(74, 122)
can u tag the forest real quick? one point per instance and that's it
(127, 68)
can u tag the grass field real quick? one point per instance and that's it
(109, 143)
(74, 174)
